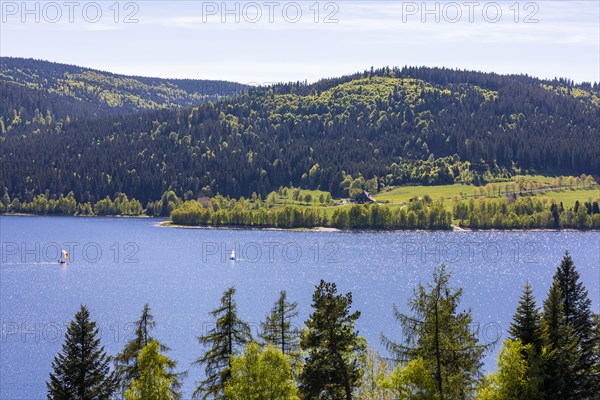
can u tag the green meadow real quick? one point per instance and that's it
(568, 195)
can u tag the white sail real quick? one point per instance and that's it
(64, 257)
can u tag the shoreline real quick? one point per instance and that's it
(325, 229)
(169, 224)
(78, 216)
(166, 223)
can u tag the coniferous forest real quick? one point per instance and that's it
(70, 130)
(551, 351)
(37, 92)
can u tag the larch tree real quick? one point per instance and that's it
(127, 361)
(441, 337)
(278, 328)
(229, 335)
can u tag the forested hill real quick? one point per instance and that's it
(33, 89)
(387, 126)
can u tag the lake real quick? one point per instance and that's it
(118, 264)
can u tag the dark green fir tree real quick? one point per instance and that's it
(577, 311)
(562, 349)
(82, 370)
(526, 321)
(332, 345)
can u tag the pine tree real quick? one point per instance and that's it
(561, 343)
(82, 371)
(331, 370)
(154, 382)
(278, 329)
(577, 311)
(441, 337)
(526, 321)
(229, 335)
(127, 360)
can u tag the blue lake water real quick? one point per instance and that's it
(116, 265)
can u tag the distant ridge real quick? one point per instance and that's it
(78, 92)
(388, 126)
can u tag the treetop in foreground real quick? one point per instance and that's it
(82, 370)
(332, 345)
(224, 342)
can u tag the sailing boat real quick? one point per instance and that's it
(64, 258)
(232, 256)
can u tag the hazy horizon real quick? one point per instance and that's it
(295, 80)
(249, 42)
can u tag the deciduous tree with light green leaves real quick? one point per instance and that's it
(261, 375)
(154, 381)
(375, 369)
(514, 379)
(412, 381)
(127, 361)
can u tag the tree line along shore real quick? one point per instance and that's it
(291, 208)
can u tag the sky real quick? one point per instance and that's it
(268, 41)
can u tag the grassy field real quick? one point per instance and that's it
(403, 194)
(569, 197)
(303, 192)
(400, 195)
